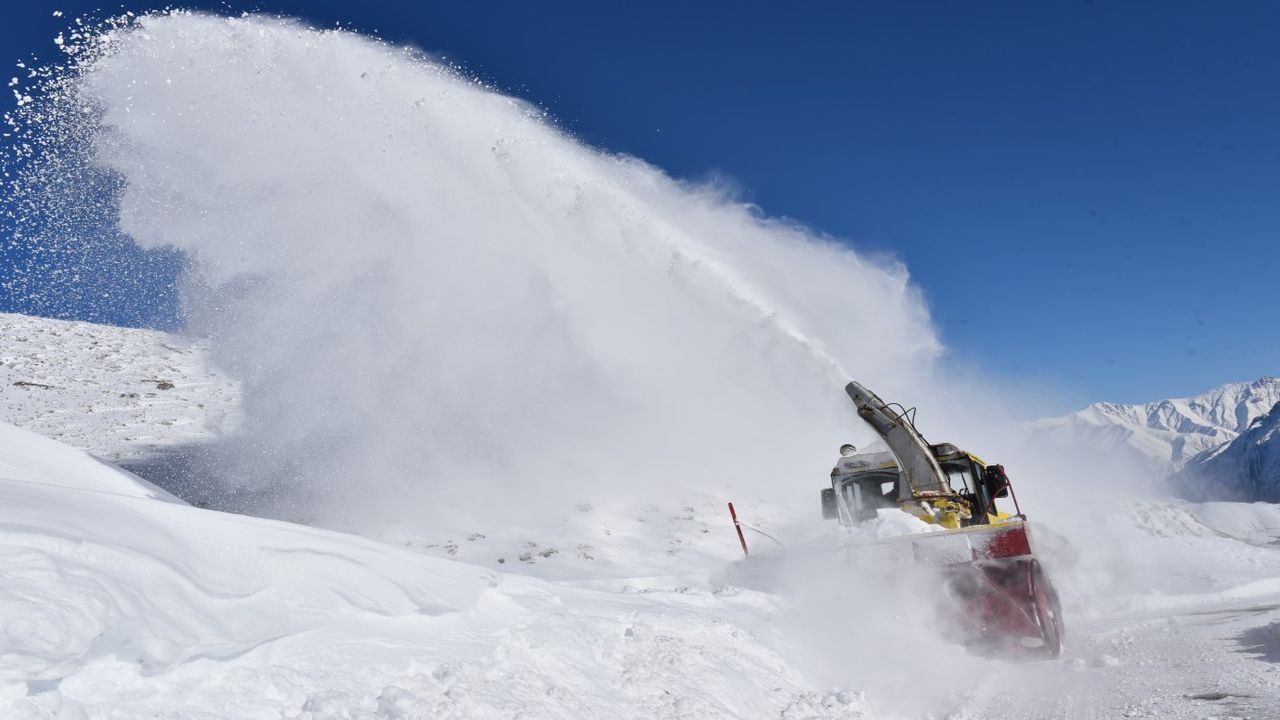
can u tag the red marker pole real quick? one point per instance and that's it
(738, 526)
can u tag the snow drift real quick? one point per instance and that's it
(119, 602)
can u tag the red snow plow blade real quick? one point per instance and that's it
(996, 597)
(1002, 599)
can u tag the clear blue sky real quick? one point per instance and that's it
(1088, 192)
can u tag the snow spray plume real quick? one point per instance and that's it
(435, 299)
(63, 255)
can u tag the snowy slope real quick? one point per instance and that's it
(116, 392)
(32, 458)
(1168, 433)
(1248, 465)
(119, 605)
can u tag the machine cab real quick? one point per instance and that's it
(864, 483)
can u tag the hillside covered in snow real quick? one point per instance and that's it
(1165, 435)
(118, 393)
(1247, 467)
(121, 601)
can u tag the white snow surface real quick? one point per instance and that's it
(895, 523)
(119, 393)
(121, 603)
(32, 458)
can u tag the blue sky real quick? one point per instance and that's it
(1088, 192)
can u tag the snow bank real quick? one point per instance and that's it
(100, 571)
(1254, 523)
(1146, 556)
(118, 604)
(29, 457)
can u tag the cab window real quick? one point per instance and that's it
(960, 476)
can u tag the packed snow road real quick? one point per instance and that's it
(1219, 660)
(1175, 614)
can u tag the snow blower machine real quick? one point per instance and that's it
(1001, 598)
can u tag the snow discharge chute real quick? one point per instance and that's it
(920, 470)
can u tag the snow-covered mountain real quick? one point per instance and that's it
(1249, 465)
(1166, 434)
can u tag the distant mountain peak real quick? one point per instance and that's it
(1247, 468)
(1168, 433)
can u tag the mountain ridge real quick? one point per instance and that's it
(1169, 433)
(1248, 466)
